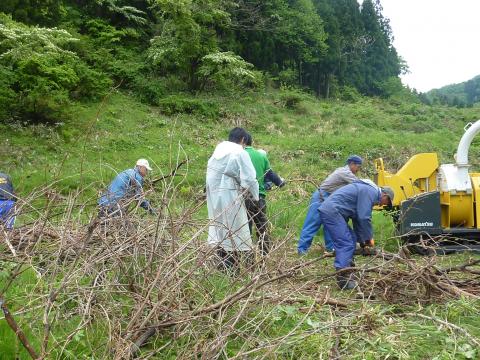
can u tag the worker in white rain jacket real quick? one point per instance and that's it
(230, 175)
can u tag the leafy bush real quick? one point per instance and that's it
(45, 12)
(391, 86)
(125, 14)
(292, 98)
(92, 83)
(106, 34)
(349, 93)
(288, 77)
(226, 70)
(126, 66)
(7, 95)
(178, 104)
(148, 90)
(41, 72)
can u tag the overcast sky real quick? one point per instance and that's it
(439, 39)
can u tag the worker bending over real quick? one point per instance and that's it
(257, 209)
(126, 187)
(352, 202)
(7, 202)
(230, 177)
(340, 177)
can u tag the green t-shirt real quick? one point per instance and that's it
(261, 165)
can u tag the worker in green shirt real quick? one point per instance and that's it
(257, 210)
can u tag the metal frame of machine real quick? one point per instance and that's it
(440, 203)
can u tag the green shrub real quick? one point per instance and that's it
(292, 98)
(106, 34)
(42, 73)
(349, 93)
(178, 104)
(392, 87)
(227, 71)
(45, 12)
(288, 77)
(7, 95)
(148, 90)
(42, 87)
(92, 84)
(127, 66)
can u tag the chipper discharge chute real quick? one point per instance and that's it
(437, 204)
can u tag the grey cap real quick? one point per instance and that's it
(389, 191)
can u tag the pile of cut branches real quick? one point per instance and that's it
(131, 286)
(400, 280)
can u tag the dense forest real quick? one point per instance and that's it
(460, 95)
(58, 51)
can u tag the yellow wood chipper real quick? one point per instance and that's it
(437, 204)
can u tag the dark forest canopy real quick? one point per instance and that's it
(55, 51)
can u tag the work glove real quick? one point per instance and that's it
(370, 243)
(368, 248)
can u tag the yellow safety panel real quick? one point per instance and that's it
(418, 175)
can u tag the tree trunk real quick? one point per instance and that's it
(327, 86)
(193, 81)
(318, 89)
(300, 73)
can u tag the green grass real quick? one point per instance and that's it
(305, 143)
(308, 141)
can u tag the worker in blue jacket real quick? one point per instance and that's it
(7, 202)
(351, 202)
(340, 177)
(127, 186)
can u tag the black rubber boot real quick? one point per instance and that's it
(345, 281)
(228, 261)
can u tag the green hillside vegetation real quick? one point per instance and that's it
(306, 137)
(461, 95)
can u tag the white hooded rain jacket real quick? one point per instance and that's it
(230, 176)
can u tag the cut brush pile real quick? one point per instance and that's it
(137, 286)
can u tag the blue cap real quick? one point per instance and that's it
(354, 159)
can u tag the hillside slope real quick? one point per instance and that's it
(465, 93)
(305, 142)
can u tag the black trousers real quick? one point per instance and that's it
(231, 261)
(257, 213)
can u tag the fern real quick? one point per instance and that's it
(129, 13)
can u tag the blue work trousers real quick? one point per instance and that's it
(312, 224)
(343, 237)
(7, 213)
